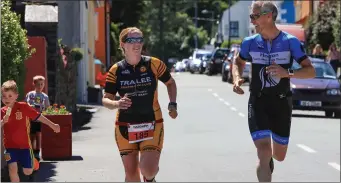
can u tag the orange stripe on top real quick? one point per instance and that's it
(28, 126)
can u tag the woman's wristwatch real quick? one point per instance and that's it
(172, 105)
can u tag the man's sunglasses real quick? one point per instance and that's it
(256, 16)
(133, 40)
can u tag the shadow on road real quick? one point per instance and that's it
(46, 171)
(311, 116)
(81, 118)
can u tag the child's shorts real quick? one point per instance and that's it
(22, 156)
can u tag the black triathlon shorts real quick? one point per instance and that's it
(270, 115)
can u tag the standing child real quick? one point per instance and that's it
(15, 120)
(40, 101)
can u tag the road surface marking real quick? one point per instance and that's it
(306, 148)
(226, 103)
(334, 165)
(215, 94)
(209, 89)
(241, 114)
(221, 99)
(233, 108)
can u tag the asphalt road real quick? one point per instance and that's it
(209, 141)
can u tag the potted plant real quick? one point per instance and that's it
(57, 145)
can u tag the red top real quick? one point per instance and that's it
(101, 78)
(17, 129)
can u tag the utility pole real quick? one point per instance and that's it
(107, 62)
(161, 31)
(196, 24)
(229, 38)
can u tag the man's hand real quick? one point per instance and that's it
(237, 86)
(277, 71)
(172, 111)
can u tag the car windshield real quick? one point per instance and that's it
(206, 57)
(323, 70)
(221, 53)
(200, 55)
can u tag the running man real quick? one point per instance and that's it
(139, 122)
(271, 53)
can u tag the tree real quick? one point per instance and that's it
(66, 76)
(115, 52)
(337, 27)
(178, 32)
(14, 47)
(320, 27)
(127, 13)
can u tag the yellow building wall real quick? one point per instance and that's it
(91, 41)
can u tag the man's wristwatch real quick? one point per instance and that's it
(291, 73)
(172, 105)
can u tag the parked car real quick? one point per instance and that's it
(180, 67)
(186, 62)
(196, 63)
(215, 64)
(228, 65)
(206, 58)
(321, 93)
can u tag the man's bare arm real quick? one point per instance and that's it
(237, 68)
(307, 70)
(109, 101)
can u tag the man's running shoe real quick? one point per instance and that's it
(145, 180)
(271, 165)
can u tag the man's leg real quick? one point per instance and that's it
(264, 153)
(281, 120)
(261, 135)
(150, 154)
(129, 154)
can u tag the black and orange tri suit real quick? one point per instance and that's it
(140, 127)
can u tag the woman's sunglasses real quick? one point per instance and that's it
(133, 40)
(256, 16)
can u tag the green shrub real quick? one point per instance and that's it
(14, 47)
(77, 54)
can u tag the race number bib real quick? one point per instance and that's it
(140, 132)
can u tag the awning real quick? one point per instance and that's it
(294, 29)
(98, 62)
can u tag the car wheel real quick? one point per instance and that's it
(229, 77)
(224, 76)
(328, 114)
(202, 70)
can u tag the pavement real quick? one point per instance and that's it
(209, 141)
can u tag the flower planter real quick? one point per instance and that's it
(57, 146)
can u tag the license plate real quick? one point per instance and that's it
(311, 103)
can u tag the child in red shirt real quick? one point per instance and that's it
(15, 121)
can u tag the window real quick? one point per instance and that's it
(234, 29)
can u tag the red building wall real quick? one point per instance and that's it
(36, 64)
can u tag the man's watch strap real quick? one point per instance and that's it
(291, 72)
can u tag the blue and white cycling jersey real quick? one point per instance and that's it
(284, 49)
